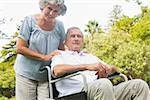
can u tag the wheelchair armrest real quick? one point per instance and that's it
(70, 73)
(66, 76)
(117, 74)
(113, 74)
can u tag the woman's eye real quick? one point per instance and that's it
(50, 8)
(55, 10)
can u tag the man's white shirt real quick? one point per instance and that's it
(74, 84)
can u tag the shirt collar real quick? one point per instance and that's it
(81, 53)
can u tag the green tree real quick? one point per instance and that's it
(119, 49)
(93, 27)
(126, 45)
(115, 14)
(123, 24)
(7, 74)
(142, 28)
(138, 27)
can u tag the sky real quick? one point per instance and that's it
(79, 12)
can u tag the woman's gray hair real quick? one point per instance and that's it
(63, 8)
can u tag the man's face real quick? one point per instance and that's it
(74, 40)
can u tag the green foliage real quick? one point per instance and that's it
(126, 46)
(93, 27)
(7, 74)
(119, 49)
(5, 98)
(115, 14)
(138, 27)
(124, 24)
(142, 28)
(133, 55)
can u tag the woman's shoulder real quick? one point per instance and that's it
(59, 23)
(59, 26)
(31, 17)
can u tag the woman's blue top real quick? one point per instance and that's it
(40, 41)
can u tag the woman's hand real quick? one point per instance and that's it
(50, 55)
(24, 50)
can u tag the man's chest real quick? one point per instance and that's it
(79, 59)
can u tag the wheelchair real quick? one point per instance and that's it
(53, 94)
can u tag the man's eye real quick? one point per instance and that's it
(79, 36)
(72, 35)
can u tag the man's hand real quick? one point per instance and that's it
(102, 72)
(100, 68)
(105, 70)
(110, 69)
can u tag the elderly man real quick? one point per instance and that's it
(92, 67)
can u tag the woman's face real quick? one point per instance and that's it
(51, 11)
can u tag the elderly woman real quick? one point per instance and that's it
(41, 35)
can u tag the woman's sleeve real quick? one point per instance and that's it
(25, 30)
(62, 31)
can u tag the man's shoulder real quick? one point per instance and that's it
(87, 53)
(63, 52)
(67, 52)
(90, 55)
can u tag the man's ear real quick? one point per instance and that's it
(66, 48)
(65, 42)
